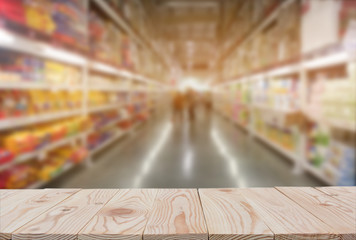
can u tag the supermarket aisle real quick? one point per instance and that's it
(207, 153)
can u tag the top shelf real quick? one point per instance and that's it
(22, 44)
(122, 22)
(323, 60)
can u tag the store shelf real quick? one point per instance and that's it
(110, 88)
(275, 110)
(246, 128)
(40, 184)
(332, 123)
(269, 18)
(284, 70)
(108, 142)
(11, 123)
(319, 174)
(327, 60)
(105, 107)
(25, 45)
(289, 154)
(23, 85)
(41, 153)
(108, 125)
(105, 68)
(22, 44)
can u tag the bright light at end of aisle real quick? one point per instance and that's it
(193, 83)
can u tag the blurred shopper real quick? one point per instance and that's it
(178, 107)
(191, 100)
(207, 101)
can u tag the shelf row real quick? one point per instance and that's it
(71, 140)
(11, 123)
(24, 45)
(292, 155)
(69, 166)
(61, 152)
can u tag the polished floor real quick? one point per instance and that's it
(206, 153)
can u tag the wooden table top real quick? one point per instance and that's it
(254, 213)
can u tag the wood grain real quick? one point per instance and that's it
(123, 217)
(229, 216)
(66, 219)
(339, 216)
(20, 207)
(177, 214)
(344, 194)
(284, 217)
(7, 193)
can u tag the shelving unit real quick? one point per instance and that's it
(297, 123)
(124, 81)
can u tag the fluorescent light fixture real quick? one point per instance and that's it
(325, 61)
(6, 37)
(64, 56)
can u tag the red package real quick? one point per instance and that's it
(13, 10)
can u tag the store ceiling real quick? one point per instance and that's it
(188, 29)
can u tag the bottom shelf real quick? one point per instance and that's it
(319, 174)
(109, 141)
(41, 184)
(274, 145)
(293, 156)
(68, 166)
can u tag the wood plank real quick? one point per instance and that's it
(284, 217)
(344, 194)
(123, 217)
(177, 214)
(229, 216)
(340, 217)
(7, 193)
(66, 219)
(20, 207)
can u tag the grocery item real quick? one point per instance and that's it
(5, 156)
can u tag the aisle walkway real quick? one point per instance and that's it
(208, 153)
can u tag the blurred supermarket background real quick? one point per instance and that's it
(177, 93)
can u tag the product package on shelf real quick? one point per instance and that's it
(276, 131)
(276, 43)
(58, 21)
(21, 103)
(332, 153)
(23, 68)
(34, 171)
(240, 102)
(333, 102)
(105, 40)
(38, 137)
(108, 82)
(96, 139)
(102, 98)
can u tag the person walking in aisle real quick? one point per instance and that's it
(178, 107)
(190, 100)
